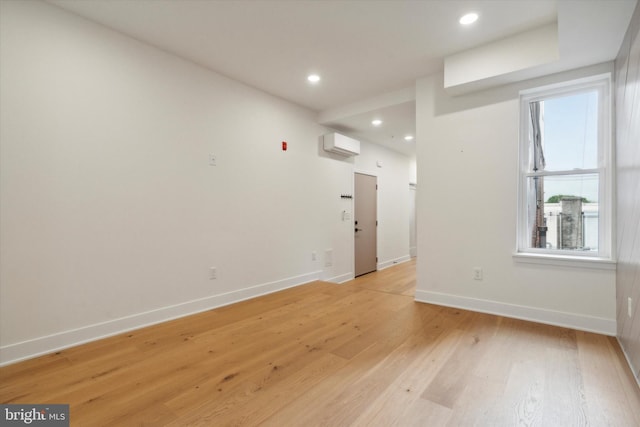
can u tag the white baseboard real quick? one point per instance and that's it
(391, 263)
(43, 345)
(557, 318)
(626, 356)
(342, 278)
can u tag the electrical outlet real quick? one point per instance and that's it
(213, 273)
(629, 307)
(477, 273)
(314, 256)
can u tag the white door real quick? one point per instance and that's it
(366, 222)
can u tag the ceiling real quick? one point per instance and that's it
(368, 53)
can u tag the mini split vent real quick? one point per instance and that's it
(340, 144)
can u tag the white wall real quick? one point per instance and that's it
(413, 171)
(467, 172)
(110, 213)
(393, 200)
(502, 61)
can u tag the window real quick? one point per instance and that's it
(565, 170)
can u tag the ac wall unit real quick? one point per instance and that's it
(340, 144)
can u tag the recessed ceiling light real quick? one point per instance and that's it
(313, 78)
(376, 122)
(469, 18)
(408, 138)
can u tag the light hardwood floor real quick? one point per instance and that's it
(358, 354)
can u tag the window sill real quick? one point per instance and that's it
(565, 260)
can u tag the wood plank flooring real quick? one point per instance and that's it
(358, 354)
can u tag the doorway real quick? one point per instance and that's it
(366, 223)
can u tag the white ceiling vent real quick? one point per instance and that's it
(340, 144)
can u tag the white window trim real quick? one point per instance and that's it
(591, 262)
(605, 257)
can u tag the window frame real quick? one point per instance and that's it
(605, 253)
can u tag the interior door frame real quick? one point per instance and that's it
(413, 220)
